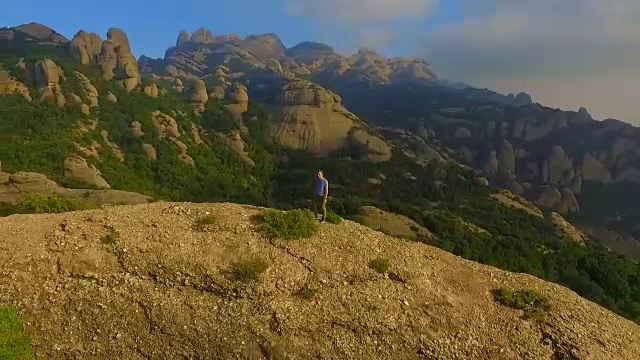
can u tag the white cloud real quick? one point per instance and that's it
(567, 53)
(360, 11)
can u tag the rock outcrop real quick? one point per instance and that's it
(239, 98)
(47, 79)
(183, 38)
(42, 33)
(90, 91)
(11, 85)
(198, 95)
(307, 116)
(117, 61)
(165, 125)
(78, 169)
(86, 47)
(151, 90)
(13, 185)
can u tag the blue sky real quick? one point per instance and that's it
(567, 54)
(153, 28)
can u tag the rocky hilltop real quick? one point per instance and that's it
(146, 282)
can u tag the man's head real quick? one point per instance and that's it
(320, 174)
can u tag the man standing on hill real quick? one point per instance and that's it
(320, 196)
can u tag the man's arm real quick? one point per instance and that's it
(326, 190)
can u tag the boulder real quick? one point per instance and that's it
(165, 125)
(78, 169)
(198, 95)
(47, 79)
(183, 37)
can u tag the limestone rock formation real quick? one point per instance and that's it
(78, 169)
(183, 155)
(11, 85)
(136, 129)
(150, 151)
(307, 116)
(201, 36)
(563, 201)
(183, 37)
(217, 93)
(569, 203)
(237, 144)
(42, 33)
(523, 99)
(115, 149)
(90, 91)
(47, 78)
(239, 98)
(507, 158)
(13, 185)
(374, 148)
(594, 170)
(558, 168)
(549, 197)
(86, 47)
(199, 95)
(151, 90)
(29, 182)
(492, 165)
(117, 61)
(112, 97)
(566, 229)
(166, 126)
(264, 47)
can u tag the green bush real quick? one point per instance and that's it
(334, 218)
(15, 342)
(308, 293)
(110, 239)
(249, 270)
(35, 203)
(534, 304)
(292, 224)
(380, 265)
(204, 221)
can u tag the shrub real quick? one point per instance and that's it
(110, 239)
(334, 218)
(204, 221)
(15, 342)
(380, 265)
(36, 203)
(249, 270)
(290, 225)
(534, 304)
(360, 219)
(308, 293)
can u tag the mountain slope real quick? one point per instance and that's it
(161, 288)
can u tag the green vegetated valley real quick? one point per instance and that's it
(93, 117)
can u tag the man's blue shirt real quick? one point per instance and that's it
(321, 186)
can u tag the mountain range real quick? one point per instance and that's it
(494, 178)
(321, 101)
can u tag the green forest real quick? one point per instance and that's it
(38, 136)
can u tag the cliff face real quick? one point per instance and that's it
(161, 287)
